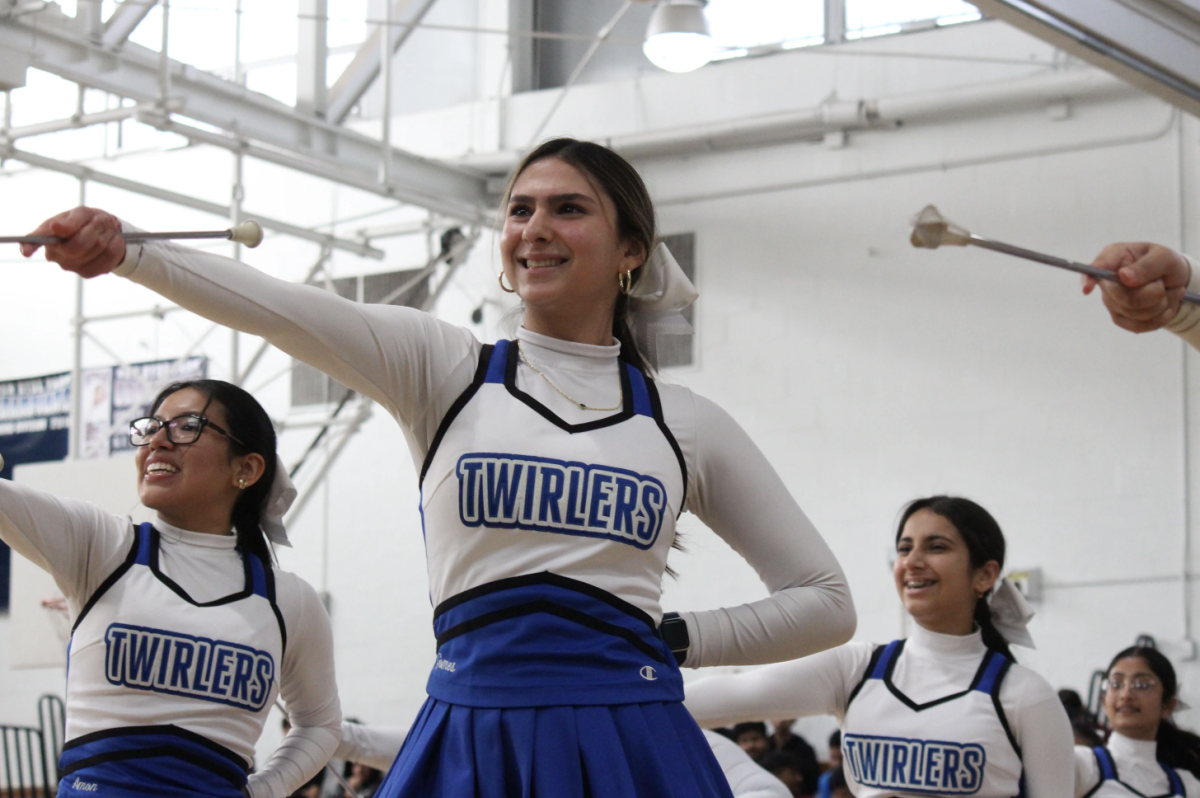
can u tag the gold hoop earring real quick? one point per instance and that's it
(625, 281)
(500, 278)
(241, 484)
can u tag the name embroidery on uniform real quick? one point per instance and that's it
(896, 763)
(507, 491)
(193, 667)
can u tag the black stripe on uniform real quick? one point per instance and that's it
(485, 357)
(558, 610)
(510, 382)
(544, 578)
(656, 407)
(913, 705)
(149, 753)
(109, 582)
(174, 731)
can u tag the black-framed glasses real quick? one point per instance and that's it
(181, 430)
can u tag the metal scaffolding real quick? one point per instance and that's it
(154, 89)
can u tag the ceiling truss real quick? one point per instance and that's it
(234, 117)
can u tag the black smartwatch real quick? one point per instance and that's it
(675, 634)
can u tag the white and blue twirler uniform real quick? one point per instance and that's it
(544, 678)
(180, 645)
(1129, 768)
(143, 645)
(602, 560)
(931, 715)
(959, 743)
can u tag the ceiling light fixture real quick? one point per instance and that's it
(678, 39)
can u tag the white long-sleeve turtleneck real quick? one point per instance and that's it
(416, 366)
(932, 665)
(1137, 766)
(80, 545)
(1186, 323)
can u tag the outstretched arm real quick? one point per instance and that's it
(398, 356)
(376, 746)
(816, 685)
(75, 542)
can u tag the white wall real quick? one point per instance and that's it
(869, 372)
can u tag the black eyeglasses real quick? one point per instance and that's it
(181, 430)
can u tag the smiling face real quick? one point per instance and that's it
(934, 576)
(562, 253)
(1131, 711)
(193, 486)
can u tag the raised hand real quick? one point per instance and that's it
(1151, 281)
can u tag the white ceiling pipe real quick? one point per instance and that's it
(997, 97)
(831, 116)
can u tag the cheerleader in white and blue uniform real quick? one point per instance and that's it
(946, 711)
(1147, 755)
(184, 632)
(553, 468)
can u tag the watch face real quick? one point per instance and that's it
(675, 632)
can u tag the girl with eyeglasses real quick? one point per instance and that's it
(1146, 753)
(184, 632)
(552, 469)
(945, 712)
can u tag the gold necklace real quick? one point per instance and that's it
(576, 402)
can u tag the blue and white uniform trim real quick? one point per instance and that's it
(897, 746)
(138, 761)
(498, 366)
(143, 647)
(545, 640)
(1109, 774)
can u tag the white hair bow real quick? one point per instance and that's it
(279, 499)
(1011, 613)
(656, 302)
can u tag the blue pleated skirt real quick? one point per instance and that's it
(546, 687)
(653, 750)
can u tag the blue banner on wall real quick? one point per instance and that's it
(34, 420)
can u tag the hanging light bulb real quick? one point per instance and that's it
(677, 38)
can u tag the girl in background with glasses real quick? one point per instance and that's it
(946, 711)
(184, 632)
(1146, 754)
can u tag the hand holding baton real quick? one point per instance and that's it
(248, 232)
(932, 230)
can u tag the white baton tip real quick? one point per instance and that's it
(248, 232)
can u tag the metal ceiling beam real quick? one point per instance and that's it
(353, 83)
(216, 209)
(312, 53)
(1153, 44)
(123, 21)
(251, 117)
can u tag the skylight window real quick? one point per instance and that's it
(881, 17)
